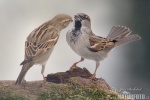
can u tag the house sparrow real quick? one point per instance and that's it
(86, 44)
(40, 43)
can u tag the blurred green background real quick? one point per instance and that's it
(127, 67)
(137, 72)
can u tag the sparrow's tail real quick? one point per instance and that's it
(122, 35)
(24, 70)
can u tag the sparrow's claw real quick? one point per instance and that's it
(24, 81)
(73, 67)
(93, 77)
(44, 79)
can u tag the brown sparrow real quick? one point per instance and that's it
(86, 44)
(40, 43)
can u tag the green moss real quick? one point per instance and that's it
(75, 91)
(9, 95)
(70, 91)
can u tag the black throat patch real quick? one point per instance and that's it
(76, 31)
(77, 25)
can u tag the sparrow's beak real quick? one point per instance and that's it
(77, 17)
(71, 20)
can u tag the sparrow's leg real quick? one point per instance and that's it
(75, 64)
(94, 74)
(42, 72)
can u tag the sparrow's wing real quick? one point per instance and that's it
(98, 43)
(119, 35)
(39, 41)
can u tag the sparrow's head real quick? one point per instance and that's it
(84, 19)
(62, 20)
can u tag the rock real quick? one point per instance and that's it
(63, 77)
(100, 83)
(80, 76)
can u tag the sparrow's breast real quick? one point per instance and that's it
(73, 38)
(80, 43)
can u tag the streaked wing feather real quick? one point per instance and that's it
(98, 43)
(34, 51)
(40, 42)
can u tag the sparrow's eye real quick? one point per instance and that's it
(84, 17)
